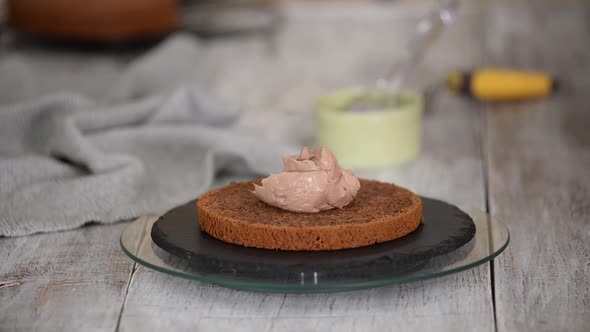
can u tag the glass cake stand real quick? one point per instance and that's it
(490, 239)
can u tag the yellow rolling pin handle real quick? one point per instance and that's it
(501, 84)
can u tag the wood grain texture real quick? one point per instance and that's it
(537, 153)
(297, 66)
(68, 281)
(539, 169)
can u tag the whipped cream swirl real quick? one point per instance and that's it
(311, 182)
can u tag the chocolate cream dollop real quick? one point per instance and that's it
(311, 182)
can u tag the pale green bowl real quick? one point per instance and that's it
(383, 136)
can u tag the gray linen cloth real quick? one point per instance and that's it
(66, 160)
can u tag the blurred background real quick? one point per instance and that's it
(274, 58)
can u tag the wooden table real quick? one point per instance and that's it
(526, 163)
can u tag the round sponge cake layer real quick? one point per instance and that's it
(380, 212)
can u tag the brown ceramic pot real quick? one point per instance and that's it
(97, 20)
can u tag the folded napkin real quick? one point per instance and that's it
(66, 160)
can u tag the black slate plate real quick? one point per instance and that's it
(444, 229)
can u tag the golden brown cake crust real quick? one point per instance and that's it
(380, 212)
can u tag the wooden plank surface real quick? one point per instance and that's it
(79, 280)
(303, 65)
(68, 281)
(539, 169)
(298, 67)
